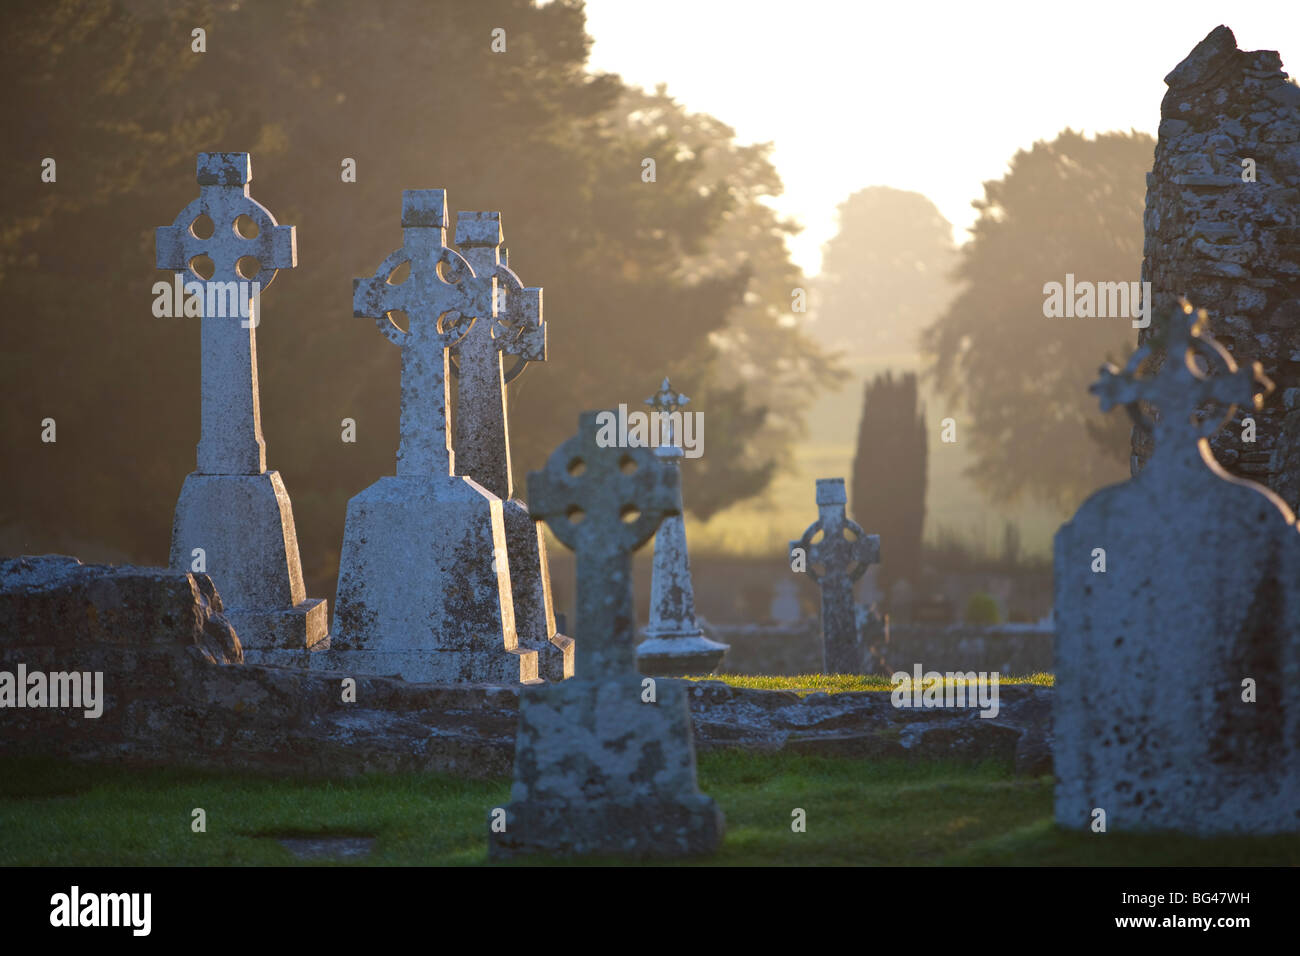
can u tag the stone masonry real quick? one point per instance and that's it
(1231, 245)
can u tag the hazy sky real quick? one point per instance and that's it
(932, 97)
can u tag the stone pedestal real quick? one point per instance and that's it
(415, 599)
(244, 524)
(530, 587)
(599, 772)
(674, 644)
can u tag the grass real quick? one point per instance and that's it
(839, 683)
(858, 812)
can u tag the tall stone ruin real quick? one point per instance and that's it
(1223, 230)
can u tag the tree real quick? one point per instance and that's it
(889, 474)
(885, 274)
(414, 93)
(1071, 206)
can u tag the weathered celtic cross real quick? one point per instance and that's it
(424, 589)
(1180, 388)
(844, 552)
(605, 761)
(231, 441)
(513, 329)
(442, 299)
(603, 504)
(675, 644)
(233, 515)
(1191, 574)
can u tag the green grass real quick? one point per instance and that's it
(839, 683)
(858, 812)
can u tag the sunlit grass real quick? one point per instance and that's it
(839, 683)
(879, 812)
(887, 812)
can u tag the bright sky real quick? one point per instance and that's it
(927, 96)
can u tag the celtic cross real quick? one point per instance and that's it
(844, 552)
(675, 644)
(442, 298)
(603, 504)
(515, 328)
(231, 440)
(667, 403)
(1180, 388)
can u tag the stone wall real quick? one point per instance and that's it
(1230, 246)
(775, 649)
(176, 693)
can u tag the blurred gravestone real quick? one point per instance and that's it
(843, 551)
(605, 761)
(234, 519)
(424, 589)
(674, 644)
(1177, 598)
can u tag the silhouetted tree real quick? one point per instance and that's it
(889, 474)
(641, 279)
(1073, 205)
(885, 274)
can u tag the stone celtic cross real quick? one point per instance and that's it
(844, 552)
(231, 440)
(515, 328)
(668, 401)
(442, 298)
(1180, 389)
(675, 644)
(603, 504)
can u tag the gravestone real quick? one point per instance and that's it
(1178, 597)
(785, 608)
(674, 644)
(516, 331)
(1222, 228)
(843, 551)
(234, 519)
(424, 590)
(604, 761)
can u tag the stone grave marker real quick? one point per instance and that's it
(605, 761)
(424, 589)
(515, 330)
(234, 519)
(674, 644)
(1178, 620)
(843, 551)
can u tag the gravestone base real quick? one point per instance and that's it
(419, 594)
(678, 655)
(599, 772)
(283, 638)
(530, 585)
(244, 524)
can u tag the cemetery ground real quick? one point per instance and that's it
(880, 813)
